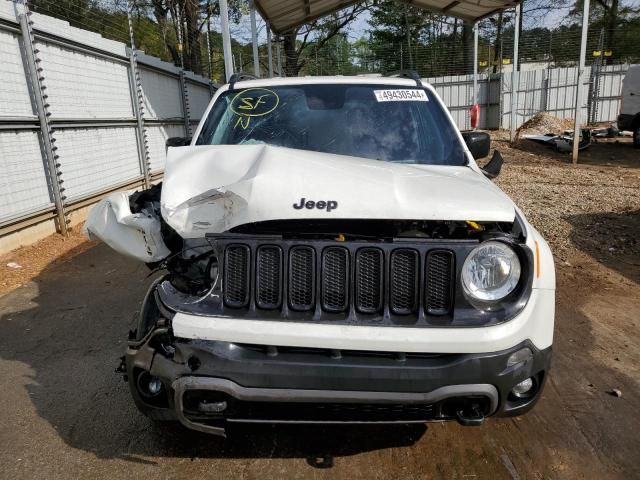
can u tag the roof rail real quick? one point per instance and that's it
(239, 77)
(408, 74)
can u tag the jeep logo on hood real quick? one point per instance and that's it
(327, 205)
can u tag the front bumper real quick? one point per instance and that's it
(206, 384)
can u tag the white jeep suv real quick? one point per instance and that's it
(333, 253)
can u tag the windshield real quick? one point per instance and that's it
(404, 125)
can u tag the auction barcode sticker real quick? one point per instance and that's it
(398, 95)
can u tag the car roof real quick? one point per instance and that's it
(317, 80)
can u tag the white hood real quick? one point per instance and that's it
(211, 189)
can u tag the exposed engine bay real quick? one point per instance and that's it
(264, 190)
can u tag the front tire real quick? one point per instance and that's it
(636, 136)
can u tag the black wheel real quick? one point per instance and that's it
(636, 136)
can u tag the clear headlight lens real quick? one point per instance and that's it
(490, 272)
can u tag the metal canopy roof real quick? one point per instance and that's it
(283, 15)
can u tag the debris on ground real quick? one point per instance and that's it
(544, 123)
(558, 132)
(561, 143)
(615, 392)
(553, 132)
(27, 263)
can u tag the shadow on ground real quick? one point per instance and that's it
(610, 238)
(71, 333)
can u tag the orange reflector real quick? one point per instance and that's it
(537, 259)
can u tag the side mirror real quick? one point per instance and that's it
(492, 169)
(478, 143)
(178, 141)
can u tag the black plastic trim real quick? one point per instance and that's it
(383, 374)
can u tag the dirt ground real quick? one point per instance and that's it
(64, 319)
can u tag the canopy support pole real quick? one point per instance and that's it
(254, 39)
(269, 51)
(579, 86)
(475, 64)
(515, 77)
(279, 58)
(226, 39)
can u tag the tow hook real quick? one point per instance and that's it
(472, 417)
(121, 369)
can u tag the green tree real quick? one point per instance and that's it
(317, 33)
(397, 30)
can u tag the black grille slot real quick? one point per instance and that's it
(404, 281)
(302, 274)
(269, 277)
(369, 283)
(439, 282)
(236, 276)
(364, 283)
(335, 279)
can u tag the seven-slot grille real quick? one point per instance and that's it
(336, 279)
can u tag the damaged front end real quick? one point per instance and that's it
(300, 276)
(290, 297)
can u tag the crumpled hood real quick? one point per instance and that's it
(211, 189)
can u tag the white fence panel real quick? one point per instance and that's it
(608, 95)
(162, 97)
(456, 92)
(61, 28)
(81, 85)
(15, 100)
(157, 136)
(98, 158)
(199, 97)
(23, 183)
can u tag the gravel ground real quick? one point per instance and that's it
(559, 198)
(24, 264)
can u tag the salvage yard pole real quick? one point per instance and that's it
(579, 86)
(279, 58)
(515, 78)
(137, 100)
(36, 75)
(254, 39)
(475, 66)
(226, 39)
(269, 51)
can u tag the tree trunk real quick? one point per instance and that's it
(610, 21)
(496, 52)
(160, 13)
(467, 48)
(193, 59)
(291, 54)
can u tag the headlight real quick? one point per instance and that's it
(490, 272)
